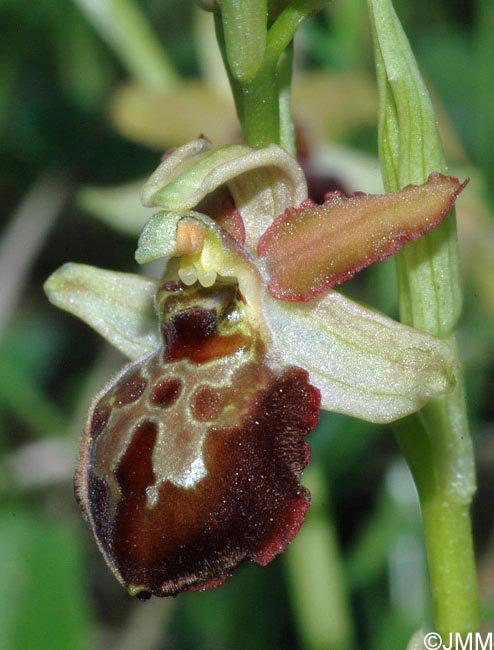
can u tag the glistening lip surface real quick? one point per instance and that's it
(193, 457)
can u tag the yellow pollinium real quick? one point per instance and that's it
(195, 264)
(194, 268)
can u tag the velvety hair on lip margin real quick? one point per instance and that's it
(194, 457)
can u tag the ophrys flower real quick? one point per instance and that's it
(192, 455)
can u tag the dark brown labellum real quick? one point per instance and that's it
(192, 457)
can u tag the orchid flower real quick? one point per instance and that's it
(192, 456)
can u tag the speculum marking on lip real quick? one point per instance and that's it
(193, 334)
(130, 391)
(250, 421)
(207, 403)
(135, 471)
(249, 505)
(187, 332)
(166, 393)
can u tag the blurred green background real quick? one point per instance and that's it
(91, 94)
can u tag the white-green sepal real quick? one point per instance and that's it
(365, 364)
(119, 306)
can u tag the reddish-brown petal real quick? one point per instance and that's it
(161, 532)
(309, 249)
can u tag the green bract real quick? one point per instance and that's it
(245, 26)
(436, 442)
(410, 149)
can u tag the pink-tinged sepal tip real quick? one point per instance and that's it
(310, 249)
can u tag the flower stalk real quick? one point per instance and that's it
(436, 442)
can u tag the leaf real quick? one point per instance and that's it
(119, 306)
(409, 150)
(365, 364)
(43, 601)
(310, 249)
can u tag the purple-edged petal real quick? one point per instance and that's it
(309, 249)
(192, 457)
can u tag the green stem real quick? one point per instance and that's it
(260, 109)
(446, 519)
(257, 101)
(436, 443)
(262, 99)
(287, 129)
(284, 28)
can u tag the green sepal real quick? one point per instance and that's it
(365, 364)
(119, 306)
